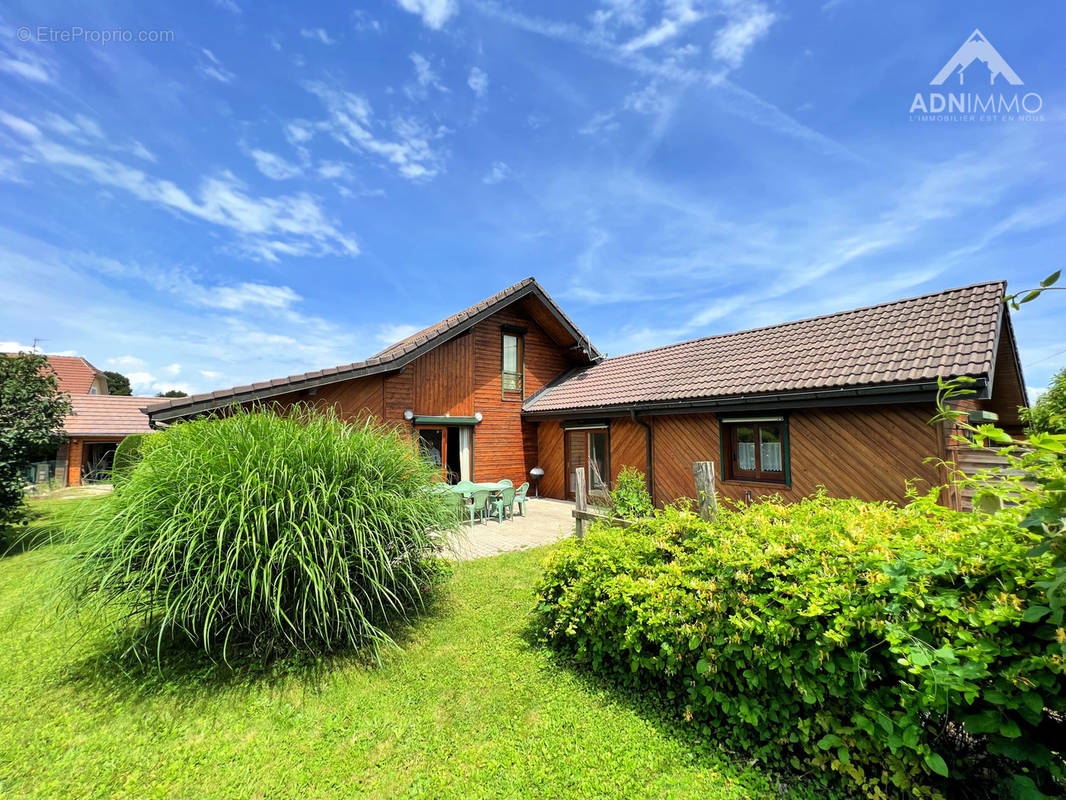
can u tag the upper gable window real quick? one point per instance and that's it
(513, 365)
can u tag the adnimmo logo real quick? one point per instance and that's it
(984, 82)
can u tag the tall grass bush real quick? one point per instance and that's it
(279, 532)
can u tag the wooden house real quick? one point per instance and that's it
(842, 401)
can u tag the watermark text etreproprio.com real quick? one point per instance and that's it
(48, 34)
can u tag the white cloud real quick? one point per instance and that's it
(434, 13)
(268, 226)
(1035, 393)
(478, 81)
(392, 333)
(362, 21)
(274, 166)
(299, 132)
(411, 150)
(142, 152)
(248, 294)
(320, 34)
(125, 362)
(211, 374)
(209, 66)
(677, 16)
(229, 6)
(172, 370)
(649, 100)
(601, 122)
(331, 170)
(499, 172)
(748, 23)
(15, 347)
(425, 76)
(28, 65)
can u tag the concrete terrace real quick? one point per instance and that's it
(546, 521)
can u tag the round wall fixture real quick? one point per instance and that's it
(408, 415)
(478, 416)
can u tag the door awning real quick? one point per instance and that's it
(420, 420)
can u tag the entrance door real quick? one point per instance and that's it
(448, 448)
(587, 448)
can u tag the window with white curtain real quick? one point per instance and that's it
(755, 448)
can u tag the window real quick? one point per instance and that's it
(755, 449)
(513, 366)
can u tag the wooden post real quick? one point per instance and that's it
(580, 500)
(703, 473)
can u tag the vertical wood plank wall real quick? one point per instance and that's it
(867, 452)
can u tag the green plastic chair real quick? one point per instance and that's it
(478, 502)
(505, 483)
(520, 497)
(463, 487)
(504, 504)
(455, 502)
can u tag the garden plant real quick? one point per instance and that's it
(269, 530)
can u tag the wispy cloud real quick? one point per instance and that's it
(425, 78)
(267, 226)
(209, 66)
(274, 166)
(23, 62)
(318, 34)
(478, 81)
(434, 13)
(748, 22)
(678, 15)
(499, 173)
(411, 149)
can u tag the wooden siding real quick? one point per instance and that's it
(867, 452)
(503, 444)
(550, 448)
(628, 446)
(443, 379)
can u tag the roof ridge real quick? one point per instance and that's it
(806, 319)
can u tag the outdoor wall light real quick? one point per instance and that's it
(478, 416)
(408, 414)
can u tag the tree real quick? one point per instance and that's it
(172, 393)
(117, 383)
(1048, 414)
(32, 410)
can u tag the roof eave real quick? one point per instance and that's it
(913, 392)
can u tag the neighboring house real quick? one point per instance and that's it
(95, 427)
(97, 423)
(842, 401)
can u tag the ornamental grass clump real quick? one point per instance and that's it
(904, 650)
(269, 531)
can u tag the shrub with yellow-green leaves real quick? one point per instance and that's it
(860, 639)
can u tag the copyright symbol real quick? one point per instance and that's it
(23, 34)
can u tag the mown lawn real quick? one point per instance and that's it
(468, 708)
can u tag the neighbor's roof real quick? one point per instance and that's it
(391, 358)
(906, 342)
(106, 415)
(75, 374)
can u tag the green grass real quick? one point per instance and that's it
(467, 708)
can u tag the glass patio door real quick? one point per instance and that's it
(587, 447)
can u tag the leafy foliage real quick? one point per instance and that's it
(117, 383)
(32, 410)
(838, 634)
(128, 455)
(285, 532)
(630, 498)
(1048, 414)
(172, 393)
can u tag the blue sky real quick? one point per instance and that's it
(278, 188)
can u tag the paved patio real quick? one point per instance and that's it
(546, 521)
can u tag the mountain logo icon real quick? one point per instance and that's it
(977, 48)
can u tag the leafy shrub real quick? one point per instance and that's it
(294, 532)
(128, 454)
(630, 498)
(843, 635)
(1048, 414)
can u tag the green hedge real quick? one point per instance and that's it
(856, 638)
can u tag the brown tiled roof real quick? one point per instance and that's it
(76, 375)
(950, 333)
(392, 357)
(106, 415)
